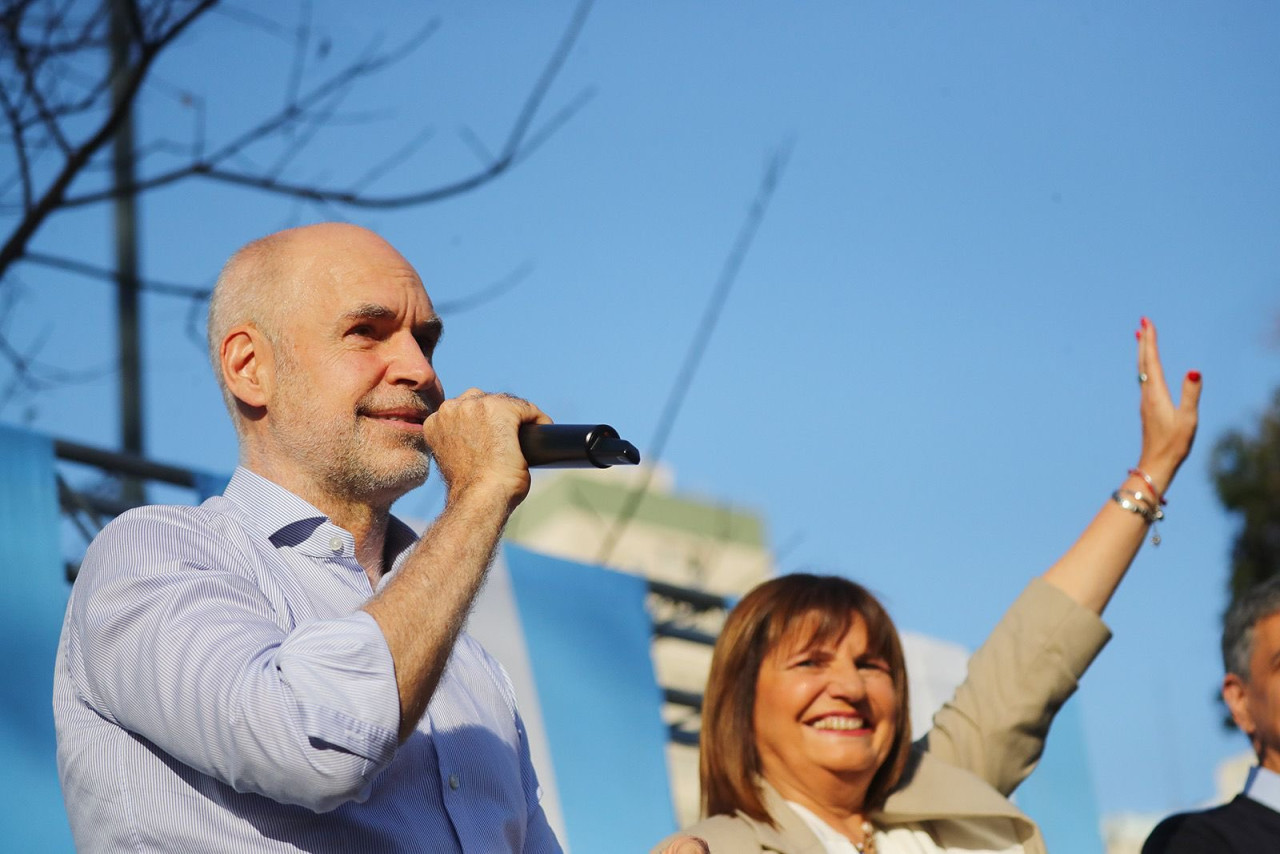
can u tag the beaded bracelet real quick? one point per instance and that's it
(1146, 477)
(1149, 515)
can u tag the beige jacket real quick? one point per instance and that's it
(983, 743)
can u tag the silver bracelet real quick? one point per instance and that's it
(1150, 515)
(1152, 502)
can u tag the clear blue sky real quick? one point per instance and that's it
(924, 377)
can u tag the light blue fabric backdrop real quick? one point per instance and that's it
(588, 636)
(208, 485)
(1059, 793)
(31, 811)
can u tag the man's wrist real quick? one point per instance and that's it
(482, 496)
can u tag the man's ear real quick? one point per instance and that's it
(248, 365)
(1234, 694)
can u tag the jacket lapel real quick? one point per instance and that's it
(792, 835)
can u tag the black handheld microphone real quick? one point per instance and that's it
(575, 446)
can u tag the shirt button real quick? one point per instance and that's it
(454, 782)
(335, 544)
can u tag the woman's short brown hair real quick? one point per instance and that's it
(824, 607)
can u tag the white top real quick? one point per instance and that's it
(916, 839)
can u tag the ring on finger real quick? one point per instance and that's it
(1142, 377)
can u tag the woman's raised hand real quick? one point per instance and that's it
(1093, 567)
(1168, 429)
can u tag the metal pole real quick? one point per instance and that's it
(126, 234)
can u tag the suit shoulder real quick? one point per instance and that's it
(1234, 826)
(1180, 832)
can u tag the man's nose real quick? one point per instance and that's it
(409, 365)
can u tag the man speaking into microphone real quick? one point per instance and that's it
(283, 668)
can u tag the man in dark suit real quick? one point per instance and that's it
(1251, 689)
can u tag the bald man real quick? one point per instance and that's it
(283, 668)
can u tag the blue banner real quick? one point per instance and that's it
(588, 636)
(1059, 793)
(31, 610)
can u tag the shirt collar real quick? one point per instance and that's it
(1263, 786)
(288, 520)
(270, 506)
(400, 538)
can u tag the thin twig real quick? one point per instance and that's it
(697, 347)
(54, 196)
(207, 167)
(515, 148)
(486, 294)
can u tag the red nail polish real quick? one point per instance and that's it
(1138, 335)
(1145, 323)
(1194, 376)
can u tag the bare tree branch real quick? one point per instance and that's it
(315, 123)
(486, 294)
(561, 117)
(394, 159)
(473, 141)
(251, 18)
(109, 275)
(32, 90)
(302, 38)
(273, 124)
(212, 167)
(29, 373)
(61, 118)
(55, 195)
(20, 149)
(543, 86)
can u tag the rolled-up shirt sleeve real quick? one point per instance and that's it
(341, 675)
(174, 638)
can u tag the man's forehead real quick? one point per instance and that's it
(345, 257)
(1269, 627)
(1266, 641)
(346, 287)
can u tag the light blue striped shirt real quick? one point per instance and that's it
(1263, 786)
(218, 689)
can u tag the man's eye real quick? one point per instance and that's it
(364, 330)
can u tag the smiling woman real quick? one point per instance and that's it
(828, 703)
(806, 743)
(829, 698)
